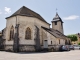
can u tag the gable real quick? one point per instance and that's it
(24, 11)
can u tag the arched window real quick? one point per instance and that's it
(51, 42)
(12, 33)
(66, 42)
(59, 41)
(28, 33)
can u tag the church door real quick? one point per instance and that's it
(45, 44)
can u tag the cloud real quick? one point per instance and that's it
(72, 17)
(7, 10)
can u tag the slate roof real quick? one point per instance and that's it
(55, 33)
(24, 11)
(57, 18)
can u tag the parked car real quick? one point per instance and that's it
(64, 48)
(71, 47)
(76, 47)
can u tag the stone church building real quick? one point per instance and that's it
(26, 30)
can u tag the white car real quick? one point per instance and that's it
(76, 47)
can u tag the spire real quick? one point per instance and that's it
(56, 10)
(56, 13)
(57, 18)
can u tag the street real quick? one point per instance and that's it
(71, 55)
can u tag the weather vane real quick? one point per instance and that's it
(56, 9)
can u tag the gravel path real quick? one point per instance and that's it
(71, 55)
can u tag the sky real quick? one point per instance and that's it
(68, 10)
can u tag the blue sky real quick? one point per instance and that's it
(68, 10)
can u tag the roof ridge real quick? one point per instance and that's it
(24, 11)
(21, 8)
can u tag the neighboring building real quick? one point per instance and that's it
(26, 30)
(78, 39)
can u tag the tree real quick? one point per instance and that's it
(72, 37)
(79, 43)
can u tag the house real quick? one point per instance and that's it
(78, 39)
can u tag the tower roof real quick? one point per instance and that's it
(57, 18)
(24, 11)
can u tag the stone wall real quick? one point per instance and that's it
(22, 48)
(58, 27)
(26, 48)
(47, 36)
(9, 23)
(24, 22)
(30, 22)
(8, 47)
(62, 42)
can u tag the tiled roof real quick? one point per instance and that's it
(24, 11)
(55, 33)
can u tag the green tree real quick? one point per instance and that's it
(79, 43)
(72, 37)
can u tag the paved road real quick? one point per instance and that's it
(71, 55)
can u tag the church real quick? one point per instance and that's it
(27, 31)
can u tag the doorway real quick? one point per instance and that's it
(45, 44)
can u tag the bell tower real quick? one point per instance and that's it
(57, 23)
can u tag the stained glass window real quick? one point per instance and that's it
(28, 33)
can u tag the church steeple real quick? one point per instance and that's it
(57, 23)
(57, 18)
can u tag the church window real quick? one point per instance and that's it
(28, 33)
(12, 33)
(55, 22)
(51, 42)
(59, 41)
